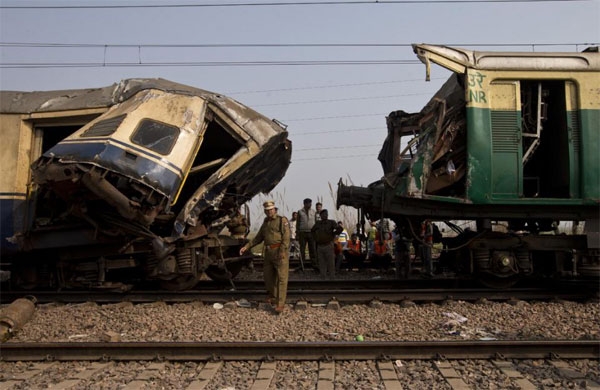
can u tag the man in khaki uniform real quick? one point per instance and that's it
(275, 233)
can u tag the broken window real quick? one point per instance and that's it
(156, 136)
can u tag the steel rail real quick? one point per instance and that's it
(308, 294)
(189, 351)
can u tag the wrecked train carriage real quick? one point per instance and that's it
(510, 138)
(143, 167)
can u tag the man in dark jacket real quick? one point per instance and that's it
(324, 232)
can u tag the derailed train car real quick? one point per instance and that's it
(510, 139)
(134, 182)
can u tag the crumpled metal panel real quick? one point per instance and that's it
(254, 169)
(257, 126)
(436, 128)
(258, 165)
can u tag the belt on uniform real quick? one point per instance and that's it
(274, 246)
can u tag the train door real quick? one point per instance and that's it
(549, 140)
(535, 139)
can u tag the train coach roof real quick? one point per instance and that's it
(17, 102)
(458, 60)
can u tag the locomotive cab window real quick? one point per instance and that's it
(156, 136)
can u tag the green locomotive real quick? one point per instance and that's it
(509, 143)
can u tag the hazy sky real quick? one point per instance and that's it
(335, 111)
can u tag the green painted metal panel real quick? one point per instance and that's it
(590, 154)
(494, 144)
(507, 169)
(478, 151)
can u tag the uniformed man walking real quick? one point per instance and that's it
(275, 233)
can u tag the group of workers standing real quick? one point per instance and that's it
(311, 228)
(326, 240)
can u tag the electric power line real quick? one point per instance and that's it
(337, 147)
(267, 45)
(340, 100)
(296, 134)
(143, 63)
(28, 65)
(333, 157)
(279, 4)
(331, 86)
(330, 117)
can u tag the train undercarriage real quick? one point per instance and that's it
(496, 245)
(118, 267)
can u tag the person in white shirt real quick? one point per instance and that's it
(304, 223)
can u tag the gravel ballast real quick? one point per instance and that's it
(454, 320)
(202, 322)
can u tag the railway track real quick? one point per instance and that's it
(393, 364)
(290, 350)
(321, 365)
(320, 292)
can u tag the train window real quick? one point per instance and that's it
(157, 136)
(104, 127)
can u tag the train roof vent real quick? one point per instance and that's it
(105, 127)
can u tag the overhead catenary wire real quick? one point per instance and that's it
(331, 117)
(338, 147)
(27, 65)
(276, 4)
(341, 100)
(354, 156)
(146, 63)
(301, 133)
(331, 86)
(269, 45)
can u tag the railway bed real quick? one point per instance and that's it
(457, 345)
(289, 350)
(390, 366)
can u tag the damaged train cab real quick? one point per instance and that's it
(510, 140)
(134, 182)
